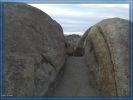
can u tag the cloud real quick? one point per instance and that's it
(77, 18)
(68, 33)
(106, 5)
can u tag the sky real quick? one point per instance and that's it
(77, 18)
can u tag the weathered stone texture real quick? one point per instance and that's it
(34, 50)
(106, 52)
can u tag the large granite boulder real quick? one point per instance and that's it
(106, 53)
(34, 50)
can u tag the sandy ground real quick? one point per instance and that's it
(75, 81)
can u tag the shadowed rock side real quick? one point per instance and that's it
(106, 53)
(34, 50)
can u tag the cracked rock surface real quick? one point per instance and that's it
(34, 50)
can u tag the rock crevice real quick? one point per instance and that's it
(39, 60)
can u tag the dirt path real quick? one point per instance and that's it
(75, 81)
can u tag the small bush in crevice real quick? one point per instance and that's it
(70, 51)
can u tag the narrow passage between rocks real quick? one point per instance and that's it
(75, 80)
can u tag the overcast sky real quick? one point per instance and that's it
(77, 18)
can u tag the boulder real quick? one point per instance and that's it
(72, 45)
(72, 40)
(34, 50)
(106, 53)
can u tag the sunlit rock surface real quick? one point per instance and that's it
(106, 52)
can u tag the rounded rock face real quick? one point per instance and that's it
(34, 50)
(106, 52)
